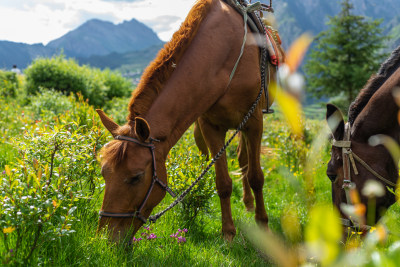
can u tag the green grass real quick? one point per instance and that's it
(284, 191)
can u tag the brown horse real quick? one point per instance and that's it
(373, 112)
(188, 81)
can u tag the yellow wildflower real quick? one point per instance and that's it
(8, 230)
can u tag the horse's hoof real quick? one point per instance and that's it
(250, 208)
(262, 222)
(249, 204)
(228, 237)
(229, 234)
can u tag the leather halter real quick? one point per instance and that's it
(137, 214)
(349, 158)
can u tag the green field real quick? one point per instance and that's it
(51, 192)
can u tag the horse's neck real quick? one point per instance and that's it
(200, 78)
(379, 116)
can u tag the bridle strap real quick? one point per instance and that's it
(349, 158)
(138, 213)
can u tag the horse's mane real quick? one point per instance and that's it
(374, 83)
(154, 78)
(158, 72)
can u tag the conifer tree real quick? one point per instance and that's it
(345, 55)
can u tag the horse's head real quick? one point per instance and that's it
(128, 168)
(353, 162)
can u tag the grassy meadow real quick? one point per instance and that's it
(51, 191)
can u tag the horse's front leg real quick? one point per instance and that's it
(215, 137)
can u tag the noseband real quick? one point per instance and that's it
(137, 214)
(349, 158)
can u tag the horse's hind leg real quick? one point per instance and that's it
(199, 139)
(248, 198)
(255, 175)
(215, 137)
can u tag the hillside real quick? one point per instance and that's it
(135, 59)
(97, 37)
(21, 54)
(295, 17)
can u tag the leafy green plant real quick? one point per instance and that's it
(47, 104)
(9, 83)
(55, 173)
(65, 75)
(183, 166)
(118, 109)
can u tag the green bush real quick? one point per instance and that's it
(66, 76)
(117, 108)
(48, 103)
(183, 167)
(8, 83)
(50, 179)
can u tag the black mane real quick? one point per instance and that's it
(374, 83)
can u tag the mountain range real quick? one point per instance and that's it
(296, 17)
(94, 37)
(131, 45)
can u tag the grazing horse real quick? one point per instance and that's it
(188, 81)
(353, 160)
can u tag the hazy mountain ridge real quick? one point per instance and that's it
(295, 17)
(94, 37)
(97, 37)
(21, 54)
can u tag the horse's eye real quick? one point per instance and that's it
(134, 179)
(332, 177)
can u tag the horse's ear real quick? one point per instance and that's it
(110, 125)
(335, 120)
(142, 129)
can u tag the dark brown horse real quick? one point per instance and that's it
(188, 81)
(373, 112)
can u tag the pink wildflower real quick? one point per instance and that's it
(181, 239)
(152, 236)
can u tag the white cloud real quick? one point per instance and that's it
(37, 21)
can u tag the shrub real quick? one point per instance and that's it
(66, 76)
(8, 83)
(117, 108)
(48, 103)
(40, 192)
(54, 173)
(183, 167)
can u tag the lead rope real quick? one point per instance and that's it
(154, 218)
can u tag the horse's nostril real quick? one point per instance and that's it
(332, 177)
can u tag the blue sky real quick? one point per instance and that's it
(40, 21)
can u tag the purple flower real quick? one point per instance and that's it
(4, 172)
(136, 239)
(152, 236)
(185, 230)
(143, 234)
(147, 228)
(181, 239)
